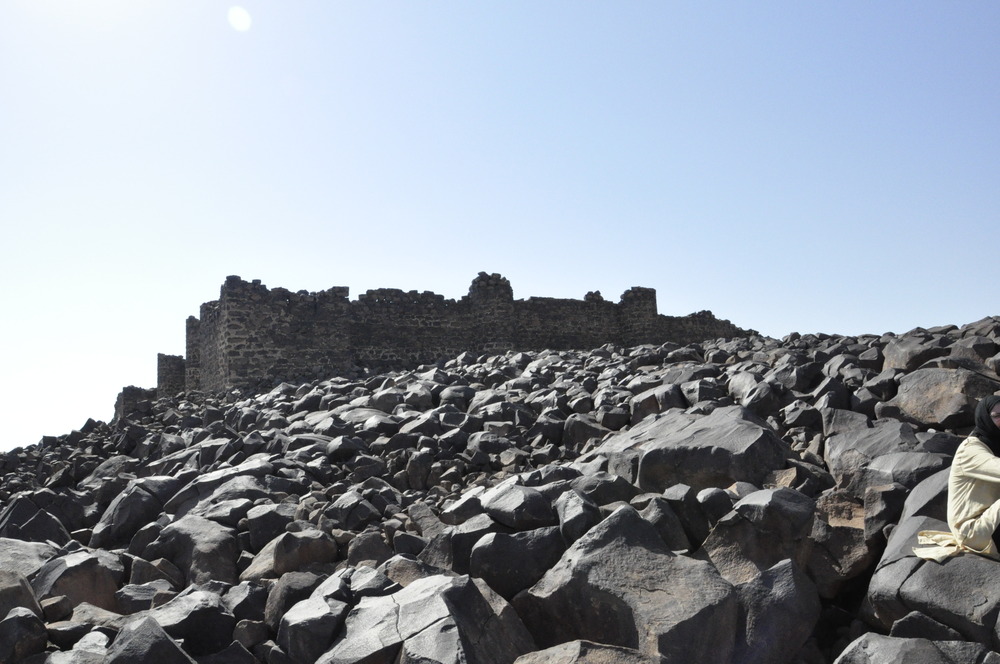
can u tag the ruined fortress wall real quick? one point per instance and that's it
(542, 322)
(170, 371)
(392, 328)
(695, 327)
(253, 337)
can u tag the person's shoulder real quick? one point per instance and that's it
(973, 445)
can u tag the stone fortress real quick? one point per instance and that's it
(253, 337)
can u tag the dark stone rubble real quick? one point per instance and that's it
(730, 501)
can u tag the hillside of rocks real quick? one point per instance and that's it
(734, 501)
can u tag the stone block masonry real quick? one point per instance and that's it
(254, 337)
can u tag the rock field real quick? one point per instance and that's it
(734, 501)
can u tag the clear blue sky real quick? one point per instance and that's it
(792, 166)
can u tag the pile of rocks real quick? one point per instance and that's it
(749, 500)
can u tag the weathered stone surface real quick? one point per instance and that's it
(307, 629)
(723, 447)
(587, 652)
(22, 634)
(509, 563)
(577, 514)
(763, 529)
(437, 618)
(201, 548)
(15, 591)
(198, 617)
(842, 547)
(291, 588)
(852, 441)
(875, 649)
(92, 648)
(639, 595)
(25, 558)
(518, 507)
(962, 592)
(909, 352)
(23, 520)
(944, 398)
(83, 576)
(143, 640)
(291, 552)
(778, 611)
(883, 604)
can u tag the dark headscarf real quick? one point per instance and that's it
(986, 429)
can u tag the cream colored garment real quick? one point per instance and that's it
(973, 505)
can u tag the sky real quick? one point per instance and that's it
(791, 166)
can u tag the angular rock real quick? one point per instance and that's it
(198, 617)
(842, 542)
(509, 563)
(202, 548)
(518, 507)
(639, 595)
(883, 604)
(942, 398)
(778, 611)
(874, 648)
(763, 529)
(438, 618)
(23, 520)
(586, 652)
(308, 628)
(25, 558)
(83, 576)
(289, 552)
(852, 442)
(15, 591)
(291, 588)
(22, 634)
(143, 640)
(716, 450)
(577, 514)
(659, 513)
(909, 352)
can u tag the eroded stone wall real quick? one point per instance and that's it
(254, 337)
(170, 371)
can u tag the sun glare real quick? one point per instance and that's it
(239, 18)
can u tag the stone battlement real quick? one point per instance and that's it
(254, 337)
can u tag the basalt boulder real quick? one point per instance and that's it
(726, 446)
(637, 594)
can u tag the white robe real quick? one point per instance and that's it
(973, 506)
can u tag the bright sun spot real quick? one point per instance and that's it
(239, 18)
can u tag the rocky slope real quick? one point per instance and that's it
(746, 500)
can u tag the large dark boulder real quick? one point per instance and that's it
(943, 398)
(144, 640)
(728, 445)
(874, 648)
(778, 612)
(22, 634)
(200, 618)
(436, 618)
(201, 548)
(637, 595)
(82, 576)
(764, 528)
(509, 563)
